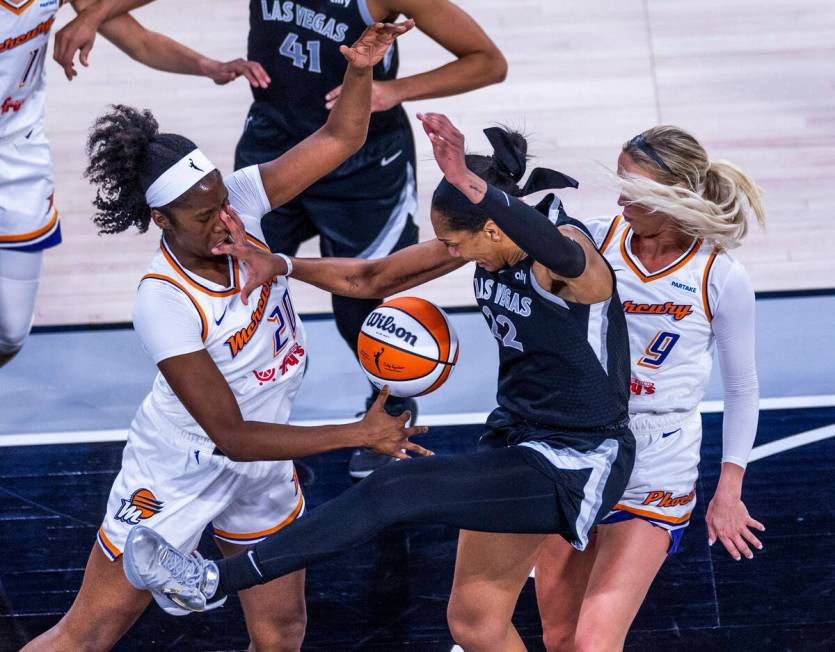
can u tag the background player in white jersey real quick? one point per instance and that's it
(228, 372)
(682, 293)
(28, 215)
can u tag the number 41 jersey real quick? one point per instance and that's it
(561, 364)
(298, 45)
(669, 313)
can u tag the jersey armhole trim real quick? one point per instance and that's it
(610, 234)
(204, 330)
(705, 278)
(255, 241)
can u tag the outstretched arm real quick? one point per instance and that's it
(213, 405)
(162, 53)
(478, 62)
(350, 277)
(344, 132)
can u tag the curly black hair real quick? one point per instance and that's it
(126, 155)
(463, 216)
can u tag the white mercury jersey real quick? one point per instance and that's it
(259, 348)
(24, 36)
(669, 315)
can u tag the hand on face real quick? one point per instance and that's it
(371, 46)
(261, 266)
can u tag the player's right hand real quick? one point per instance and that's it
(76, 36)
(389, 435)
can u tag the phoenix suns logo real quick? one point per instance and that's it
(141, 505)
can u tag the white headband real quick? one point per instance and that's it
(178, 178)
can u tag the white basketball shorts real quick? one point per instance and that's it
(173, 482)
(662, 487)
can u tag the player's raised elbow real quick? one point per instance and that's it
(496, 66)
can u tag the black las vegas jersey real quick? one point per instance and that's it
(298, 45)
(560, 363)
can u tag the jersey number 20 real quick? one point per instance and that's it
(658, 350)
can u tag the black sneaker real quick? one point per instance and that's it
(364, 462)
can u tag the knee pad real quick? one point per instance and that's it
(17, 312)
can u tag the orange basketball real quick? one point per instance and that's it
(409, 345)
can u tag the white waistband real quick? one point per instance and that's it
(646, 423)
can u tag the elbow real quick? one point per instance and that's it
(231, 444)
(498, 67)
(349, 140)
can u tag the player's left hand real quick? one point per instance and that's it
(728, 520)
(224, 72)
(383, 96)
(261, 266)
(373, 43)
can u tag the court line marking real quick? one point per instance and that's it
(460, 419)
(793, 441)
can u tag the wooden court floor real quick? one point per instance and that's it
(755, 82)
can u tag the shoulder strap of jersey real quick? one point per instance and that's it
(204, 323)
(705, 282)
(610, 234)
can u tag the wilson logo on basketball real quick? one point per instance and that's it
(387, 324)
(675, 310)
(141, 505)
(264, 376)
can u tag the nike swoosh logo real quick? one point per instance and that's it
(388, 160)
(254, 565)
(672, 432)
(217, 321)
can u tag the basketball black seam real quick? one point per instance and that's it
(425, 357)
(425, 327)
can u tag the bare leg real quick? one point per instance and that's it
(629, 556)
(105, 608)
(490, 571)
(275, 612)
(562, 574)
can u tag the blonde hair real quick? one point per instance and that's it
(712, 200)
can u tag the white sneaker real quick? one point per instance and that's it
(180, 583)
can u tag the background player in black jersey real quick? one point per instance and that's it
(365, 208)
(558, 449)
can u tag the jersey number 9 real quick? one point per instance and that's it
(658, 350)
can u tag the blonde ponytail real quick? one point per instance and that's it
(707, 200)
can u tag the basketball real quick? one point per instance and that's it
(408, 344)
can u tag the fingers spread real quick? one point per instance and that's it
(414, 431)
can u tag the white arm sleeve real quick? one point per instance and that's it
(733, 327)
(246, 193)
(166, 321)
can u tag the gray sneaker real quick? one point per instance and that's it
(364, 462)
(180, 583)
